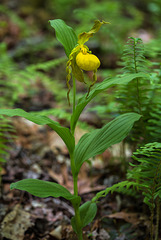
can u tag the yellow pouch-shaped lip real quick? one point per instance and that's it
(87, 61)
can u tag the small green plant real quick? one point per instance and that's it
(90, 144)
(6, 137)
(141, 95)
(147, 173)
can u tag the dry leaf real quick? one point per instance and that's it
(128, 217)
(57, 232)
(16, 223)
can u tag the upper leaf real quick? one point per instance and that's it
(97, 141)
(99, 88)
(65, 35)
(63, 132)
(43, 189)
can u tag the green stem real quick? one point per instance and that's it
(157, 220)
(76, 209)
(76, 206)
(75, 176)
(78, 223)
(75, 179)
(74, 93)
(138, 96)
(151, 223)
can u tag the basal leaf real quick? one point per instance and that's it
(65, 35)
(43, 189)
(97, 141)
(87, 213)
(63, 132)
(107, 83)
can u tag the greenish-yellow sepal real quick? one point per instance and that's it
(84, 37)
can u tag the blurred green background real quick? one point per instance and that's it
(32, 60)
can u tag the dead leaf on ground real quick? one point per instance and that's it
(132, 218)
(16, 223)
(57, 232)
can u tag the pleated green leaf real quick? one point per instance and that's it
(65, 35)
(63, 132)
(87, 213)
(43, 189)
(97, 141)
(107, 83)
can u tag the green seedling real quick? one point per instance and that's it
(90, 144)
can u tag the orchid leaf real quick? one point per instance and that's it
(87, 213)
(97, 141)
(65, 35)
(43, 189)
(107, 83)
(63, 132)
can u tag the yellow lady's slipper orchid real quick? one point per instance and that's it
(82, 59)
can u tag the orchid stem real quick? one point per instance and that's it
(74, 93)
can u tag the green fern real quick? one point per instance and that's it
(144, 177)
(141, 95)
(154, 122)
(124, 187)
(134, 95)
(148, 172)
(15, 82)
(6, 137)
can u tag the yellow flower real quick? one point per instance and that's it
(87, 61)
(81, 58)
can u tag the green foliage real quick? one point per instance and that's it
(147, 172)
(88, 212)
(65, 35)
(141, 95)
(153, 128)
(16, 82)
(124, 187)
(6, 137)
(107, 83)
(63, 132)
(97, 141)
(16, 20)
(133, 56)
(123, 20)
(43, 189)
(134, 95)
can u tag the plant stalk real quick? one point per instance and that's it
(75, 176)
(157, 218)
(74, 93)
(78, 223)
(76, 206)
(151, 222)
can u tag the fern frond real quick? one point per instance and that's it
(6, 131)
(124, 187)
(148, 172)
(141, 95)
